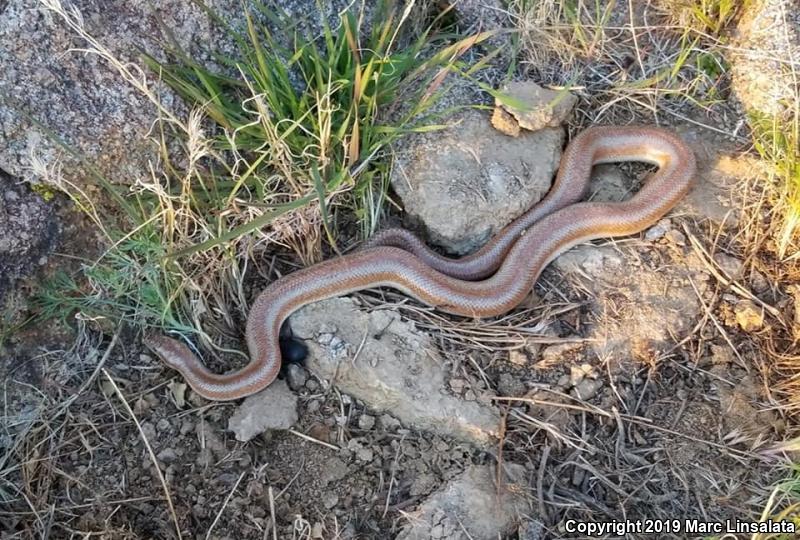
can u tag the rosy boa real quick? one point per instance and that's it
(505, 269)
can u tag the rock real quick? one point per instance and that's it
(576, 375)
(275, 407)
(732, 266)
(366, 422)
(465, 183)
(330, 500)
(592, 262)
(470, 506)
(82, 98)
(675, 237)
(296, 376)
(532, 530)
(28, 231)
(749, 316)
(658, 230)
(79, 96)
(533, 108)
(389, 422)
(509, 385)
(665, 303)
(517, 357)
(768, 39)
(587, 388)
(397, 369)
(759, 282)
(335, 470)
(168, 455)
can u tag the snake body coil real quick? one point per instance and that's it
(507, 267)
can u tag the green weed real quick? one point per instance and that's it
(777, 140)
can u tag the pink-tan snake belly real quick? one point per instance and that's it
(507, 267)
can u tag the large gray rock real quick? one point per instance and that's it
(28, 231)
(82, 98)
(389, 365)
(79, 97)
(467, 182)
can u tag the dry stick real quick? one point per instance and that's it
(540, 483)
(718, 326)
(640, 420)
(312, 439)
(272, 514)
(224, 504)
(502, 437)
(149, 451)
(726, 280)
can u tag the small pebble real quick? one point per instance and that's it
(366, 422)
(658, 230)
(749, 316)
(587, 388)
(187, 426)
(576, 375)
(364, 454)
(313, 406)
(517, 357)
(389, 422)
(759, 283)
(330, 500)
(457, 385)
(676, 237)
(148, 430)
(296, 376)
(732, 266)
(167, 455)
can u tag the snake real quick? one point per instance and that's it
(491, 282)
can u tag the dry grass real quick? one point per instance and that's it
(668, 67)
(255, 166)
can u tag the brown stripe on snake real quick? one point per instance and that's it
(514, 259)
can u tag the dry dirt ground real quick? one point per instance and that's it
(642, 380)
(643, 397)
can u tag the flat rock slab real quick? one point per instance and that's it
(391, 366)
(275, 407)
(467, 182)
(471, 506)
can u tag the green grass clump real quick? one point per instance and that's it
(777, 140)
(783, 504)
(711, 16)
(317, 112)
(288, 136)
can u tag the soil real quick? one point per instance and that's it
(670, 429)
(628, 388)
